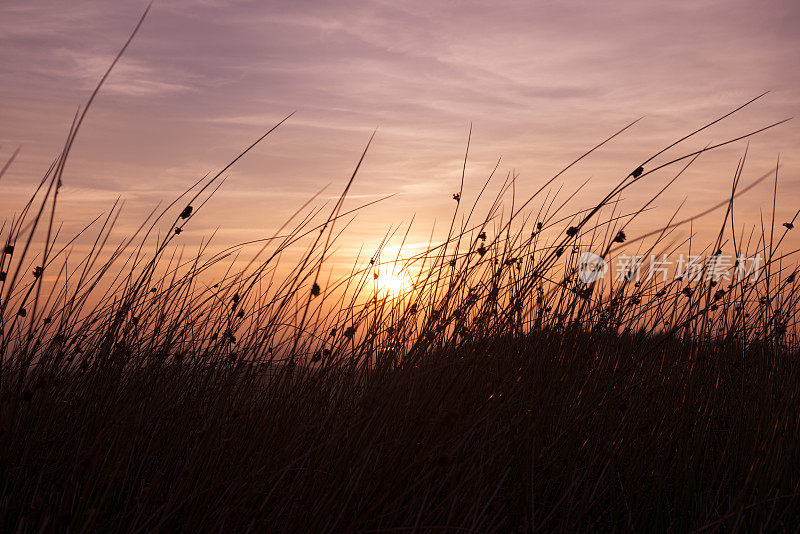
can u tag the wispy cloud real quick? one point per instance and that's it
(540, 81)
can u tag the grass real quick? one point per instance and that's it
(492, 390)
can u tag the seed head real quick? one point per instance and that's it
(315, 290)
(187, 212)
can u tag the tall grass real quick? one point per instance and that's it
(491, 390)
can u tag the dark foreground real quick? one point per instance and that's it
(560, 431)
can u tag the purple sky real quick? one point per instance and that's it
(541, 82)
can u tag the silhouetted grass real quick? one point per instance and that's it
(492, 391)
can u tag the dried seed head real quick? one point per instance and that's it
(315, 290)
(620, 237)
(187, 212)
(638, 172)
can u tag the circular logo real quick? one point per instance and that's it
(591, 267)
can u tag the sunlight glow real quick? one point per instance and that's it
(393, 283)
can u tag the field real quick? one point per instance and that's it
(484, 384)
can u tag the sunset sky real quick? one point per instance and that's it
(540, 81)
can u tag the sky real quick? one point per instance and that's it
(540, 82)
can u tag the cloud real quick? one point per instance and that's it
(540, 81)
(130, 77)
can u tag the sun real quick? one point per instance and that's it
(393, 283)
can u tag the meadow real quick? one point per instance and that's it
(479, 385)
